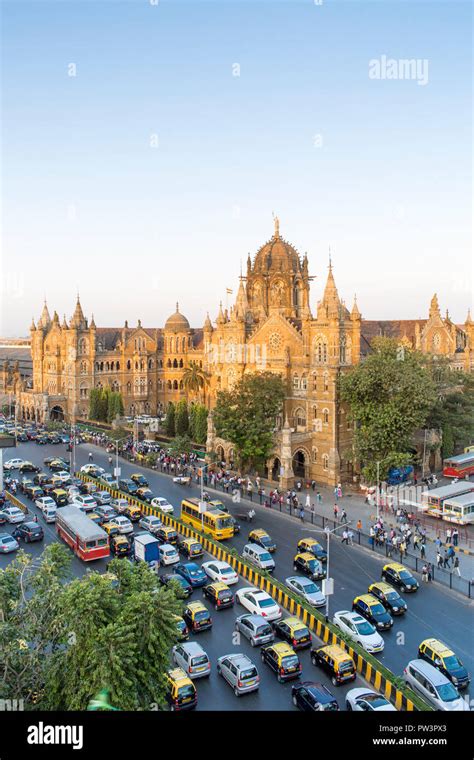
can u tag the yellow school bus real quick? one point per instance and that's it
(215, 523)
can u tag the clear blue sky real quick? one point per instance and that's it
(89, 205)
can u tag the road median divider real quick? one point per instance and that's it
(382, 679)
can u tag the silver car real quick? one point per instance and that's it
(150, 523)
(255, 628)
(239, 672)
(433, 686)
(306, 588)
(192, 658)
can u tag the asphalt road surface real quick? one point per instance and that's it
(432, 611)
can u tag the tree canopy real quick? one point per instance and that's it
(245, 415)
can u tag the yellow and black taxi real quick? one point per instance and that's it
(110, 528)
(120, 546)
(197, 616)
(282, 659)
(60, 497)
(181, 693)
(390, 598)
(144, 494)
(139, 480)
(336, 662)
(313, 546)
(190, 547)
(442, 657)
(167, 535)
(97, 519)
(132, 512)
(307, 563)
(369, 607)
(182, 628)
(220, 594)
(293, 631)
(34, 492)
(398, 575)
(261, 538)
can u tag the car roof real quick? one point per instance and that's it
(335, 651)
(318, 689)
(395, 566)
(258, 532)
(368, 599)
(438, 647)
(238, 659)
(383, 586)
(192, 647)
(196, 606)
(294, 622)
(282, 647)
(179, 676)
(435, 676)
(255, 547)
(219, 586)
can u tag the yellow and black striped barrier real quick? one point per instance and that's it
(315, 623)
(16, 502)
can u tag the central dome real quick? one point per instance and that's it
(177, 321)
(277, 255)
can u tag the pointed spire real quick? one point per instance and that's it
(468, 318)
(32, 326)
(45, 319)
(77, 319)
(276, 221)
(208, 323)
(55, 319)
(220, 317)
(64, 324)
(92, 324)
(330, 291)
(355, 313)
(177, 307)
(249, 265)
(241, 303)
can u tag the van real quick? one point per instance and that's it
(258, 556)
(192, 658)
(433, 686)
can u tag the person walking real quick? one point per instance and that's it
(319, 498)
(90, 456)
(424, 573)
(439, 559)
(308, 501)
(359, 524)
(350, 536)
(345, 537)
(430, 574)
(446, 560)
(336, 511)
(302, 513)
(455, 537)
(344, 516)
(422, 549)
(448, 535)
(456, 566)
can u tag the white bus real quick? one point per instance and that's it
(459, 509)
(432, 501)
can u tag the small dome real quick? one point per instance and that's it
(177, 321)
(277, 255)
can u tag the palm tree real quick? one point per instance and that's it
(195, 379)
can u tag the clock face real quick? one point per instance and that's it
(275, 341)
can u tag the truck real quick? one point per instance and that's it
(147, 549)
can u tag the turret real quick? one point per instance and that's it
(220, 317)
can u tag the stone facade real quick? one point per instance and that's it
(271, 326)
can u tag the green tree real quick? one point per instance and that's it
(389, 395)
(196, 379)
(108, 631)
(181, 445)
(453, 411)
(170, 419)
(200, 424)
(181, 418)
(93, 404)
(245, 415)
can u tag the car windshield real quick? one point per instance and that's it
(447, 692)
(310, 588)
(266, 540)
(289, 661)
(452, 662)
(202, 615)
(186, 691)
(200, 660)
(375, 701)
(392, 596)
(194, 570)
(405, 575)
(249, 673)
(377, 609)
(224, 594)
(330, 707)
(264, 630)
(301, 633)
(265, 556)
(265, 602)
(8, 540)
(345, 666)
(365, 629)
(312, 564)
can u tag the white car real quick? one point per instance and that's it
(48, 508)
(259, 603)
(87, 503)
(13, 464)
(13, 514)
(150, 523)
(162, 504)
(360, 630)
(168, 554)
(109, 480)
(368, 701)
(123, 524)
(72, 494)
(63, 476)
(87, 468)
(120, 505)
(220, 571)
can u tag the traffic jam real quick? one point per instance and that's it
(234, 640)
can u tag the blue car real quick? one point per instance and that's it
(192, 573)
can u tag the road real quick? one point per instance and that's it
(432, 611)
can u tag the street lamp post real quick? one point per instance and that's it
(202, 494)
(377, 493)
(328, 543)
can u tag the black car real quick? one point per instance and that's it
(144, 494)
(390, 598)
(311, 696)
(25, 483)
(398, 575)
(28, 531)
(34, 492)
(41, 478)
(139, 480)
(28, 467)
(120, 546)
(58, 465)
(166, 579)
(373, 611)
(128, 486)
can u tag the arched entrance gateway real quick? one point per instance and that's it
(299, 464)
(275, 473)
(57, 414)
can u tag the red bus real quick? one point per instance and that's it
(459, 466)
(87, 540)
